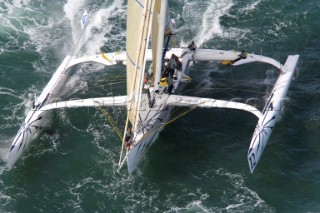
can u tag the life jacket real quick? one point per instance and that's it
(164, 82)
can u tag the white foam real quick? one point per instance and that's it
(250, 6)
(4, 154)
(20, 3)
(5, 199)
(210, 23)
(4, 147)
(40, 34)
(244, 198)
(66, 120)
(211, 20)
(100, 25)
(193, 206)
(271, 77)
(15, 115)
(97, 24)
(10, 6)
(75, 85)
(7, 9)
(72, 9)
(8, 91)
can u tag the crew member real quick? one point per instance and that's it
(163, 84)
(127, 139)
(191, 49)
(172, 64)
(243, 55)
(192, 46)
(179, 65)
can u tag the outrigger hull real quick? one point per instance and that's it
(34, 120)
(271, 112)
(49, 100)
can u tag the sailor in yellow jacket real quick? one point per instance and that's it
(163, 85)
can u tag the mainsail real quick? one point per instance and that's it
(144, 17)
(138, 33)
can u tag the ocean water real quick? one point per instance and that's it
(199, 162)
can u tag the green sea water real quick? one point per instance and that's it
(199, 162)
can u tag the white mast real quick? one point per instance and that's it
(158, 30)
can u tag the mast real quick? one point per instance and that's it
(157, 39)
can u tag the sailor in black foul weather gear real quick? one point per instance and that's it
(243, 55)
(191, 49)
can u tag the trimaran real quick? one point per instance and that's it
(149, 105)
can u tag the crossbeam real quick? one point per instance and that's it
(90, 102)
(188, 101)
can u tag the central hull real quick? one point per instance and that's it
(146, 136)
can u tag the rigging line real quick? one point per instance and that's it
(113, 81)
(260, 88)
(109, 119)
(243, 90)
(103, 80)
(167, 123)
(117, 76)
(119, 82)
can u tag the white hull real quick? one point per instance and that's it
(33, 122)
(138, 151)
(271, 114)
